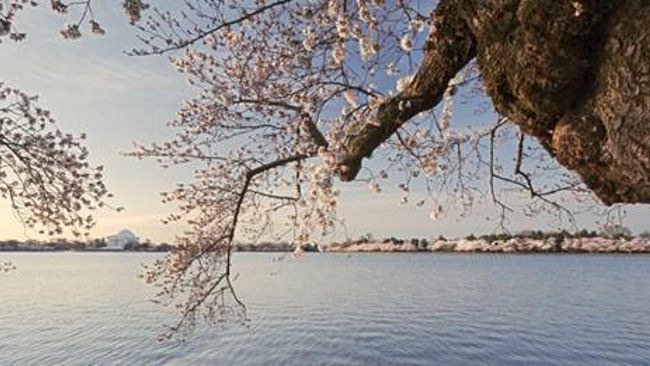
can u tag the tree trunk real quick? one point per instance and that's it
(574, 74)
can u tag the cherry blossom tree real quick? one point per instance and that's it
(293, 94)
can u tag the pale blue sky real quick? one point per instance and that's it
(91, 85)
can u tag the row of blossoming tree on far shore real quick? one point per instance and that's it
(612, 239)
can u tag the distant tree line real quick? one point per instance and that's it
(275, 247)
(421, 243)
(609, 231)
(76, 245)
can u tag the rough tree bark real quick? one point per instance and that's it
(573, 73)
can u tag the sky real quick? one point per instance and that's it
(91, 86)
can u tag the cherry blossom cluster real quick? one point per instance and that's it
(6, 266)
(44, 173)
(9, 10)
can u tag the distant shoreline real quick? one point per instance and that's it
(518, 245)
(423, 252)
(80, 251)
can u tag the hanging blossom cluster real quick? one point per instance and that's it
(80, 11)
(44, 173)
(6, 266)
(73, 30)
(9, 10)
(133, 9)
(284, 90)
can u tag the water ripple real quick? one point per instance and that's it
(330, 309)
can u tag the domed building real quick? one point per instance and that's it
(120, 240)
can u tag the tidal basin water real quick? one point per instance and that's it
(339, 309)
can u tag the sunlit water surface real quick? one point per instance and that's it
(339, 309)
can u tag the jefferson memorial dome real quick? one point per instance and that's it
(120, 240)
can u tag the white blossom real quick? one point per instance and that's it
(406, 43)
(351, 98)
(342, 27)
(436, 213)
(338, 53)
(309, 40)
(404, 82)
(374, 187)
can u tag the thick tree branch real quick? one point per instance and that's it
(449, 48)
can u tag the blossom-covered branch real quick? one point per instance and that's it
(44, 172)
(447, 50)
